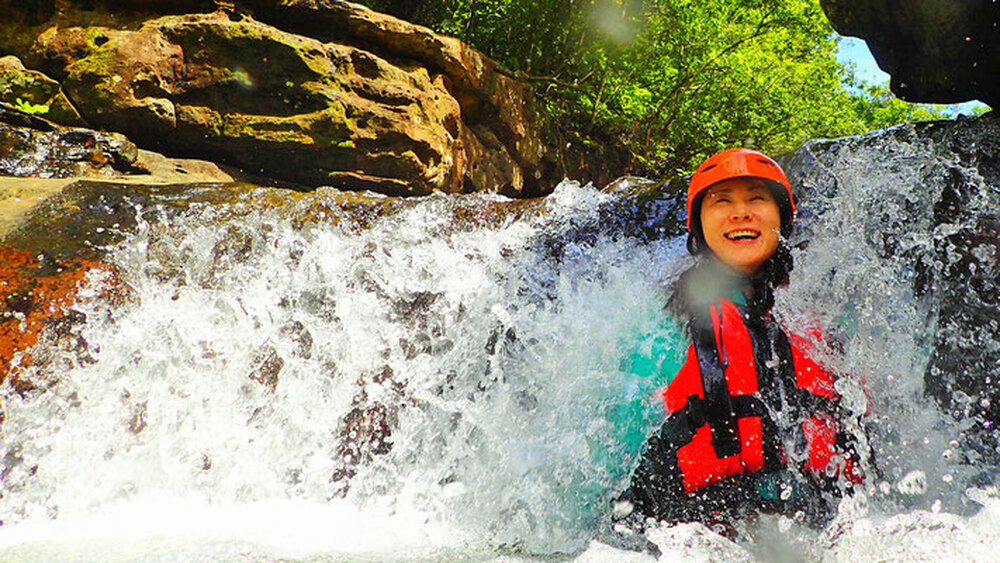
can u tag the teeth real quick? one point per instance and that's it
(742, 235)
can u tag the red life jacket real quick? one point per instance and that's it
(718, 419)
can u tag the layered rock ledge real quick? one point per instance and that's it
(311, 92)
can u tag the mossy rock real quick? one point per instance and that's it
(305, 92)
(34, 92)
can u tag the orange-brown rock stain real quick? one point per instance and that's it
(36, 292)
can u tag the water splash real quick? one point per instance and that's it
(413, 364)
(455, 383)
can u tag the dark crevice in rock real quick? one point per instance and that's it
(936, 51)
(16, 118)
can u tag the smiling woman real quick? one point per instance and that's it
(741, 223)
(739, 189)
(753, 424)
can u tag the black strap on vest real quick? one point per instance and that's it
(681, 426)
(720, 410)
(717, 406)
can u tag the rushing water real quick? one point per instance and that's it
(429, 388)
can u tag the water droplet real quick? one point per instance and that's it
(786, 491)
(913, 483)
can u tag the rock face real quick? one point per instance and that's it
(925, 199)
(938, 51)
(315, 92)
(31, 146)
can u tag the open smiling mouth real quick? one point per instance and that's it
(743, 234)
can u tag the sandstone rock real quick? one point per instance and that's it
(31, 89)
(270, 101)
(315, 92)
(500, 110)
(37, 295)
(937, 51)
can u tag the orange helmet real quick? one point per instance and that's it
(739, 163)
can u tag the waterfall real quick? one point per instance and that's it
(433, 381)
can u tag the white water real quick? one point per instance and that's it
(493, 354)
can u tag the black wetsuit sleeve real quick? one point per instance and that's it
(656, 490)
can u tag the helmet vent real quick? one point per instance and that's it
(767, 162)
(707, 168)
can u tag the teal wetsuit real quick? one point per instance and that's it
(651, 364)
(652, 361)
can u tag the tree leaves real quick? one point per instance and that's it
(674, 80)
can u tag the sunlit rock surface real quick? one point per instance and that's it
(319, 93)
(937, 51)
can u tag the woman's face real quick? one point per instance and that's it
(741, 222)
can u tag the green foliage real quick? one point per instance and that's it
(674, 80)
(30, 108)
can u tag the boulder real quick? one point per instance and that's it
(925, 199)
(31, 146)
(937, 51)
(33, 91)
(313, 92)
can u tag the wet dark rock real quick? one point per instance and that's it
(300, 337)
(30, 146)
(938, 51)
(967, 344)
(943, 180)
(266, 366)
(34, 147)
(366, 430)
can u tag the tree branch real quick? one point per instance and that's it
(518, 75)
(685, 82)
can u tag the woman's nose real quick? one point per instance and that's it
(741, 211)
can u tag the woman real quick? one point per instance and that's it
(752, 423)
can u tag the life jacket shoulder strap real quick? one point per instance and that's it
(681, 425)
